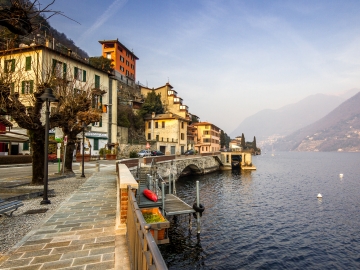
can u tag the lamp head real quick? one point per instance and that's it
(48, 95)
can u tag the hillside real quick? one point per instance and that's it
(284, 121)
(337, 131)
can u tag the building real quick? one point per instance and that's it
(124, 60)
(167, 131)
(170, 100)
(32, 64)
(208, 137)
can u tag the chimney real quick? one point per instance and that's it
(153, 114)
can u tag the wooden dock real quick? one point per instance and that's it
(175, 206)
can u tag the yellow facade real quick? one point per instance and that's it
(208, 137)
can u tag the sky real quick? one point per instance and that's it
(227, 59)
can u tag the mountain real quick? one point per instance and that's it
(281, 122)
(337, 131)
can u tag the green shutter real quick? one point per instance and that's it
(26, 146)
(53, 66)
(64, 70)
(100, 124)
(31, 86)
(96, 144)
(76, 70)
(28, 63)
(23, 87)
(12, 65)
(97, 81)
(84, 75)
(100, 106)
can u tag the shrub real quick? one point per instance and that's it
(133, 154)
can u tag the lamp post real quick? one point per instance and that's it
(83, 150)
(47, 97)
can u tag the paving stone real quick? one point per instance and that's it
(87, 260)
(35, 242)
(103, 265)
(108, 257)
(58, 264)
(100, 245)
(36, 253)
(104, 250)
(76, 254)
(83, 241)
(30, 267)
(57, 244)
(16, 263)
(30, 247)
(44, 259)
(61, 250)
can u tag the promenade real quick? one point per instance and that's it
(80, 234)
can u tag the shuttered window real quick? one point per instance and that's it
(27, 87)
(28, 63)
(97, 81)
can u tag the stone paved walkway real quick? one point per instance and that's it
(80, 235)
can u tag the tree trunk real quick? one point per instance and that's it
(70, 147)
(37, 138)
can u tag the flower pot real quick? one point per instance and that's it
(157, 221)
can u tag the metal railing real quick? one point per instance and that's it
(143, 251)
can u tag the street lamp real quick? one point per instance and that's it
(47, 97)
(83, 149)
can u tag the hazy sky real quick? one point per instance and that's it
(227, 59)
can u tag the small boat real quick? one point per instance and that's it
(319, 196)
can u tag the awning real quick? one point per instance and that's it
(13, 137)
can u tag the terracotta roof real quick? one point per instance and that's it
(162, 116)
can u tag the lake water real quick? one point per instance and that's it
(271, 218)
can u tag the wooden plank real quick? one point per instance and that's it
(175, 206)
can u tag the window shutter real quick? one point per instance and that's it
(31, 86)
(97, 81)
(100, 106)
(12, 65)
(26, 146)
(76, 70)
(84, 75)
(53, 66)
(100, 124)
(28, 63)
(23, 87)
(64, 70)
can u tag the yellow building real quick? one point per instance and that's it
(167, 131)
(207, 138)
(170, 100)
(30, 65)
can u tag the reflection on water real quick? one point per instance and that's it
(271, 218)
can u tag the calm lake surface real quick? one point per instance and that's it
(271, 218)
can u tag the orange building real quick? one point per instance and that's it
(123, 59)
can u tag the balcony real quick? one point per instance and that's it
(184, 108)
(178, 100)
(172, 93)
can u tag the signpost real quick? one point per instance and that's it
(65, 143)
(58, 155)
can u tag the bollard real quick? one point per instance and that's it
(80, 167)
(97, 166)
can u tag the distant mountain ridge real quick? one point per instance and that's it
(284, 121)
(337, 131)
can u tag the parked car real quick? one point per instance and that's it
(157, 153)
(189, 152)
(144, 153)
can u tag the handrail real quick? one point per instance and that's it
(143, 251)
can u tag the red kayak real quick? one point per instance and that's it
(150, 195)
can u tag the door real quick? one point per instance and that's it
(172, 150)
(162, 149)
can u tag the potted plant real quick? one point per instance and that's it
(110, 154)
(154, 216)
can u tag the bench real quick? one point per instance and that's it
(9, 206)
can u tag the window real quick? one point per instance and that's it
(156, 124)
(157, 137)
(127, 62)
(182, 124)
(80, 74)
(27, 87)
(149, 136)
(9, 65)
(182, 136)
(12, 88)
(121, 59)
(98, 124)
(97, 81)
(96, 144)
(25, 146)
(149, 124)
(163, 124)
(122, 68)
(28, 63)
(108, 55)
(97, 101)
(59, 69)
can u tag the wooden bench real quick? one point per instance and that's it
(9, 206)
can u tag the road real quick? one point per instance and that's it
(26, 171)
